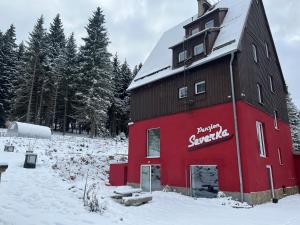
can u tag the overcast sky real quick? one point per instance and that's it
(135, 26)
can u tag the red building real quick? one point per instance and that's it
(209, 111)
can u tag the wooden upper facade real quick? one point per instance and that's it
(258, 77)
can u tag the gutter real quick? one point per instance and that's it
(237, 140)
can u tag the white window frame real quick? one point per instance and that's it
(148, 156)
(280, 156)
(271, 81)
(276, 119)
(182, 54)
(267, 50)
(199, 46)
(261, 139)
(210, 24)
(180, 96)
(198, 83)
(259, 93)
(195, 31)
(254, 50)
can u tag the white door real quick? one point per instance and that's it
(146, 178)
(150, 178)
(270, 178)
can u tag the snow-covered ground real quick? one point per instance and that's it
(52, 193)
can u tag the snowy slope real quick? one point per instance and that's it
(52, 193)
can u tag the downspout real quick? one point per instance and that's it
(237, 140)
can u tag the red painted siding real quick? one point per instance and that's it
(297, 165)
(118, 174)
(175, 157)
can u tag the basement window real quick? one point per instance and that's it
(200, 88)
(153, 143)
(210, 24)
(261, 139)
(254, 49)
(198, 49)
(182, 56)
(183, 92)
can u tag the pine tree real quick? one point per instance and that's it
(2, 114)
(136, 69)
(57, 43)
(8, 72)
(19, 106)
(94, 92)
(68, 83)
(114, 113)
(37, 65)
(294, 119)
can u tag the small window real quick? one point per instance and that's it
(200, 88)
(153, 145)
(280, 157)
(195, 31)
(210, 24)
(182, 56)
(183, 92)
(198, 49)
(254, 49)
(271, 84)
(276, 120)
(259, 94)
(261, 139)
(267, 50)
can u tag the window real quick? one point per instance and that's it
(195, 31)
(276, 120)
(280, 157)
(261, 139)
(198, 49)
(200, 88)
(153, 144)
(183, 92)
(254, 49)
(271, 84)
(210, 24)
(182, 56)
(259, 94)
(267, 50)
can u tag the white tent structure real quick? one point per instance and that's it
(18, 129)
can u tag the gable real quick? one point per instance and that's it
(159, 63)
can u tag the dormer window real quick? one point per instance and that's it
(198, 49)
(182, 56)
(210, 24)
(195, 31)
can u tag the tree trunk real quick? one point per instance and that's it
(38, 118)
(54, 105)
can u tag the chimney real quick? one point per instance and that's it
(203, 6)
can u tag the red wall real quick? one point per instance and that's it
(175, 157)
(118, 174)
(254, 166)
(297, 165)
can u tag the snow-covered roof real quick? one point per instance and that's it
(29, 130)
(159, 63)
